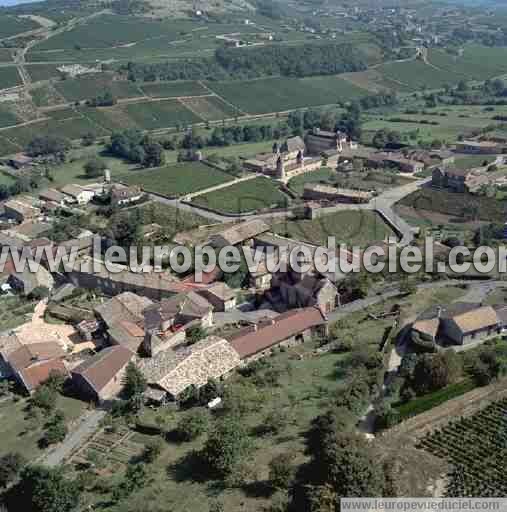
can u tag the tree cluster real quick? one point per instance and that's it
(102, 100)
(136, 147)
(326, 58)
(48, 145)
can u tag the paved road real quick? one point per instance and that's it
(75, 439)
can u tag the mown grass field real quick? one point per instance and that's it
(173, 89)
(177, 180)
(45, 96)
(280, 94)
(9, 77)
(19, 435)
(349, 227)
(247, 196)
(79, 89)
(210, 108)
(12, 25)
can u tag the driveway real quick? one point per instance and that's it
(89, 424)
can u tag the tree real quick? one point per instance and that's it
(94, 168)
(48, 145)
(227, 446)
(153, 155)
(44, 398)
(45, 489)
(88, 139)
(56, 430)
(282, 470)
(10, 466)
(134, 383)
(152, 450)
(435, 371)
(193, 424)
(194, 334)
(39, 293)
(274, 422)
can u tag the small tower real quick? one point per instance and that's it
(299, 158)
(107, 175)
(276, 148)
(280, 167)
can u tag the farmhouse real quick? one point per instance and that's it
(78, 194)
(220, 296)
(100, 377)
(74, 70)
(454, 179)
(123, 318)
(318, 141)
(178, 311)
(19, 161)
(288, 329)
(431, 159)
(479, 147)
(317, 191)
(396, 161)
(21, 209)
(122, 195)
(32, 364)
(26, 282)
(241, 233)
(457, 324)
(52, 195)
(173, 371)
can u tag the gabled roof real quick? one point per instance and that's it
(39, 372)
(221, 291)
(429, 327)
(27, 354)
(477, 319)
(239, 233)
(126, 306)
(295, 144)
(188, 304)
(174, 371)
(100, 369)
(51, 194)
(285, 326)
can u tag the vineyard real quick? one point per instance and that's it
(477, 449)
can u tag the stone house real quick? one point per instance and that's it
(100, 377)
(479, 147)
(288, 329)
(317, 191)
(220, 296)
(21, 209)
(241, 233)
(122, 195)
(32, 364)
(78, 194)
(173, 371)
(309, 291)
(451, 178)
(318, 141)
(458, 324)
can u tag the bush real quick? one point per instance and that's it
(193, 424)
(282, 470)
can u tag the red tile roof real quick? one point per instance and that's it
(38, 373)
(285, 326)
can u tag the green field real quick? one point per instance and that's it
(80, 89)
(71, 128)
(45, 96)
(154, 115)
(247, 196)
(39, 72)
(173, 89)
(5, 55)
(7, 117)
(349, 227)
(7, 147)
(62, 113)
(177, 180)
(9, 77)
(12, 25)
(20, 435)
(280, 94)
(210, 108)
(323, 175)
(417, 75)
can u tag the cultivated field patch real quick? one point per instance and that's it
(280, 94)
(210, 108)
(247, 196)
(12, 25)
(173, 89)
(177, 180)
(9, 77)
